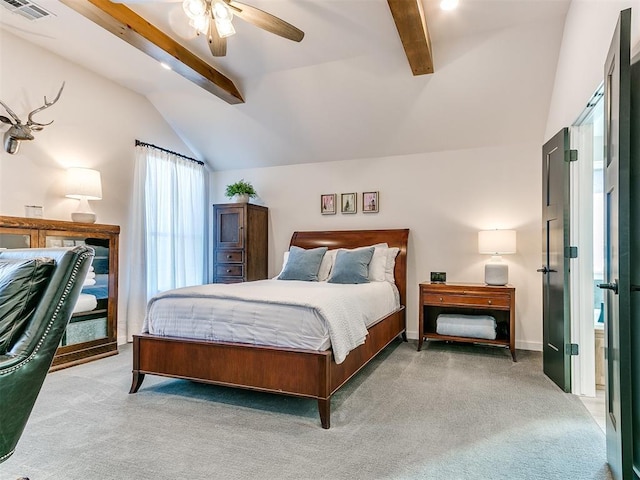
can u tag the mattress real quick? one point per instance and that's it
(295, 314)
(474, 326)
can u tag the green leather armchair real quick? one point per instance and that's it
(29, 348)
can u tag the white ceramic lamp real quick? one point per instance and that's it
(496, 243)
(84, 184)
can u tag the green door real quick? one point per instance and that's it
(618, 260)
(635, 269)
(556, 316)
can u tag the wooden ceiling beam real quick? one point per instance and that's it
(414, 34)
(135, 30)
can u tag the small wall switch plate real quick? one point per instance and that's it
(438, 277)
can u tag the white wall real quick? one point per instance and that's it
(443, 198)
(588, 31)
(95, 124)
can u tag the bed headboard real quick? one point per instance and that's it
(361, 238)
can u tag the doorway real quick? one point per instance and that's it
(587, 233)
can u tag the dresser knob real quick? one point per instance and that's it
(228, 270)
(440, 298)
(228, 256)
(490, 302)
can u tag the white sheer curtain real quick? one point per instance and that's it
(167, 238)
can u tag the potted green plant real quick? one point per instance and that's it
(242, 191)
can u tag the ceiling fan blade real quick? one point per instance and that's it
(217, 45)
(265, 20)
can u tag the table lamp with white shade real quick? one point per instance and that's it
(496, 243)
(84, 184)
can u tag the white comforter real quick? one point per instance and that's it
(345, 310)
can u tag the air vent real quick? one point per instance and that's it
(25, 8)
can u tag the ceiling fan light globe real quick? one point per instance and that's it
(225, 28)
(221, 12)
(194, 8)
(201, 24)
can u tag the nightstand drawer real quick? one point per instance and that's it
(229, 256)
(497, 301)
(229, 270)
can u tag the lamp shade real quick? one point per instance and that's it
(84, 183)
(497, 242)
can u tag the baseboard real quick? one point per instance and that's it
(533, 346)
(412, 334)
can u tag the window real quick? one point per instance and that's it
(175, 218)
(167, 228)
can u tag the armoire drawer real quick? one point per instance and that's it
(229, 256)
(229, 270)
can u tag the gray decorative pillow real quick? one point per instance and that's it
(352, 266)
(303, 264)
(22, 283)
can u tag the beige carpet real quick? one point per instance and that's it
(448, 412)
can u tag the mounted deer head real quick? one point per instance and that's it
(23, 131)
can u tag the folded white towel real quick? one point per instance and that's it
(85, 303)
(88, 282)
(475, 326)
(91, 274)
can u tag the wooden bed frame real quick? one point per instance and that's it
(288, 371)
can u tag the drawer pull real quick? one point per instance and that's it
(440, 298)
(229, 256)
(490, 302)
(228, 270)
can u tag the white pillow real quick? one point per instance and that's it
(378, 264)
(392, 253)
(285, 259)
(326, 265)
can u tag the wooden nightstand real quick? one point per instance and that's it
(468, 298)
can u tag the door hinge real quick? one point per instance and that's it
(571, 252)
(573, 349)
(571, 155)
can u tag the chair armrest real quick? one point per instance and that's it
(9, 362)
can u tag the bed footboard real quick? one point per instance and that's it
(301, 373)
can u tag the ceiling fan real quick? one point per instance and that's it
(213, 18)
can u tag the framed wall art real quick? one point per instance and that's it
(328, 204)
(349, 203)
(370, 202)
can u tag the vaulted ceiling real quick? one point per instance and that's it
(348, 90)
(141, 33)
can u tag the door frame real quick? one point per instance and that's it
(583, 377)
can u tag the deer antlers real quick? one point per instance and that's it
(22, 131)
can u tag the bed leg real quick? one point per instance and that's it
(136, 381)
(324, 407)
